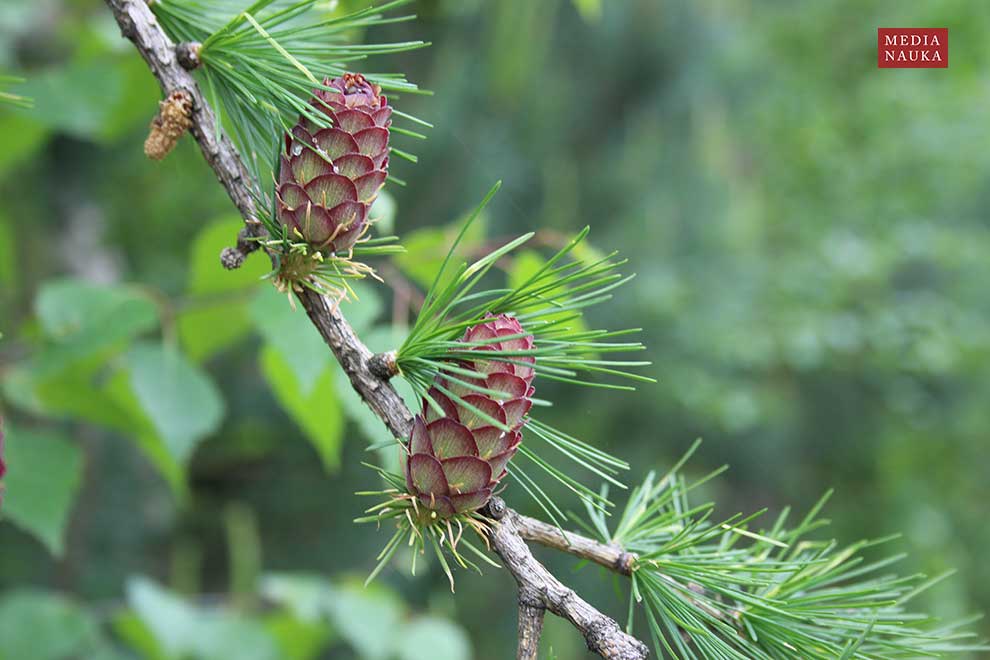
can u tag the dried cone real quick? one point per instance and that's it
(457, 458)
(329, 177)
(174, 118)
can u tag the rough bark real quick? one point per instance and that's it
(611, 557)
(531, 614)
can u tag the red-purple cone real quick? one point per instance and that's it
(329, 177)
(457, 458)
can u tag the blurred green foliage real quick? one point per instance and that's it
(811, 240)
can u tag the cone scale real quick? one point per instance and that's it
(455, 456)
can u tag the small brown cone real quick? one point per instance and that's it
(173, 119)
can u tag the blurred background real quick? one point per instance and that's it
(811, 240)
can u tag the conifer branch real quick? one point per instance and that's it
(531, 614)
(602, 633)
(611, 557)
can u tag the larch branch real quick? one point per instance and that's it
(537, 585)
(531, 614)
(610, 556)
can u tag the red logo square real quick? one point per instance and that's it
(913, 48)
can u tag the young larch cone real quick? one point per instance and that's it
(329, 177)
(456, 458)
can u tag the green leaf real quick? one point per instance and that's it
(367, 618)
(22, 136)
(303, 594)
(290, 332)
(86, 392)
(590, 10)
(84, 318)
(217, 316)
(95, 87)
(299, 640)
(70, 308)
(44, 471)
(107, 652)
(129, 627)
(317, 413)
(357, 411)
(427, 248)
(76, 392)
(365, 309)
(138, 100)
(179, 399)
(370, 619)
(434, 638)
(8, 258)
(19, 385)
(206, 634)
(383, 212)
(223, 636)
(37, 625)
(526, 264)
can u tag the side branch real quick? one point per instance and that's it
(611, 557)
(537, 584)
(602, 634)
(531, 614)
